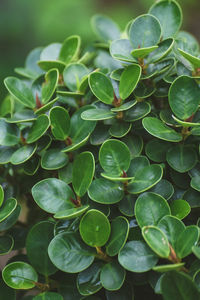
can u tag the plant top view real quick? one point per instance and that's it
(100, 171)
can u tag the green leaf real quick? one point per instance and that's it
(170, 16)
(195, 61)
(88, 281)
(167, 268)
(37, 243)
(134, 143)
(7, 208)
(184, 97)
(19, 275)
(51, 52)
(145, 31)
(112, 276)
(119, 129)
(150, 208)
(73, 74)
(128, 81)
(49, 86)
(156, 150)
(97, 114)
(180, 208)
(137, 257)
(145, 179)
(137, 163)
(70, 49)
(71, 213)
(125, 106)
(118, 236)
(25, 115)
(105, 191)
(121, 50)
(56, 197)
(6, 244)
(158, 129)
(20, 91)
(177, 285)
(172, 228)
(69, 254)
(23, 154)
(1, 195)
(105, 28)
(182, 158)
(186, 240)
(60, 122)
(9, 134)
(101, 87)
(48, 296)
(51, 64)
(11, 219)
(54, 159)
(163, 188)
(164, 47)
(94, 228)
(143, 52)
(46, 107)
(137, 112)
(83, 172)
(156, 240)
(6, 153)
(195, 183)
(38, 128)
(114, 157)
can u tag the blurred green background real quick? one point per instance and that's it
(25, 24)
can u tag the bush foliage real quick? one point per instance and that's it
(101, 150)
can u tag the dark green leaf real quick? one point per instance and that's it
(101, 87)
(129, 80)
(60, 122)
(112, 276)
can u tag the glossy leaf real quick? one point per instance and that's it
(1, 195)
(73, 74)
(114, 157)
(137, 257)
(180, 208)
(105, 28)
(83, 172)
(101, 87)
(70, 49)
(49, 86)
(184, 97)
(23, 154)
(38, 128)
(71, 213)
(19, 275)
(9, 134)
(56, 197)
(69, 254)
(129, 80)
(60, 122)
(54, 159)
(94, 228)
(97, 114)
(48, 296)
(6, 244)
(150, 208)
(7, 208)
(186, 240)
(156, 240)
(121, 50)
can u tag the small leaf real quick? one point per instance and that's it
(48, 296)
(94, 228)
(23, 154)
(186, 240)
(54, 159)
(19, 275)
(180, 208)
(137, 257)
(195, 183)
(9, 134)
(101, 87)
(6, 244)
(121, 50)
(97, 114)
(83, 172)
(114, 157)
(60, 122)
(1, 195)
(157, 240)
(38, 128)
(69, 254)
(150, 208)
(52, 195)
(71, 213)
(70, 49)
(105, 28)
(145, 31)
(7, 208)
(129, 80)
(73, 75)
(20, 91)
(49, 86)
(112, 276)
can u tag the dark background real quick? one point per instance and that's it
(25, 24)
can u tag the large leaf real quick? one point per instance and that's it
(137, 257)
(94, 228)
(69, 254)
(145, 31)
(83, 172)
(56, 197)
(19, 275)
(170, 16)
(150, 208)
(101, 87)
(184, 97)
(177, 285)
(129, 80)
(20, 91)
(37, 243)
(114, 157)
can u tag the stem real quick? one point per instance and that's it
(172, 257)
(101, 255)
(42, 286)
(185, 132)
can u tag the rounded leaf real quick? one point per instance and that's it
(101, 87)
(94, 228)
(54, 159)
(105, 28)
(48, 296)
(19, 275)
(73, 75)
(186, 240)
(129, 80)
(180, 208)
(23, 154)
(70, 49)
(112, 276)
(7, 208)
(60, 122)
(38, 128)
(49, 86)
